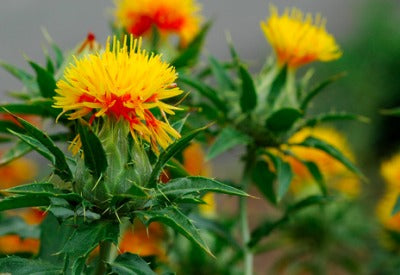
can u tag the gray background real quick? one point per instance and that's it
(69, 21)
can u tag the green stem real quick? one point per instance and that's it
(244, 222)
(104, 257)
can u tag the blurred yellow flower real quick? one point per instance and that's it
(297, 40)
(143, 241)
(16, 172)
(11, 244)
(195, 164)
(179, 17)
(123, 83)
(335, 173)
(390, 171)
(384, 210)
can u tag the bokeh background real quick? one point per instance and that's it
(367, 30)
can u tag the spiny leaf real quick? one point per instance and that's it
(23, 266)
(171, 150)
(221, 76)
(188, 185)
(174, 218)
(23, 201)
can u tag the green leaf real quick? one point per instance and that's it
(309, 201)
(178, 125)
(45, 190)
(5, 125)
(277, 85)
(45, 80)
(171, 150)
(265, 229)
(333, 116)
(332, 151)
(94, 154)
(189, 185)
(227, 139)
(41, 107)
(22, 266)
(87, 237)
(264, 179)
(206, 91)
(316, 90)
(248, 98)
(23, 201)
(191, 53)
(21, 75)
(174, 218)
(223, 79)
(131, 264)
(61, 167)
(284, 174)
(283, 119)
(396, 208)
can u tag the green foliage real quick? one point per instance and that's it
(227, 139)
(248, 98)
(45, 80)
(131, 264)
(22, 266)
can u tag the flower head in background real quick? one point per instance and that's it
(179, 17)
(297, 39)
(125, 83)
(390, 171)
(17, 172)
(335, 173)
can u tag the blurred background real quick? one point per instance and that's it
(367, 31)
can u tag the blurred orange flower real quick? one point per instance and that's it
(179, 17)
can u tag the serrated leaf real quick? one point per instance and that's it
(46, 147)
(396, 208)
(221, 76)
(191, 53)
(206, 91)
(277, 85)
(248, 98)
(264, 179)
(131, 264)
(86, 238)
(23, 201)
(45, 80)
(189, 185)
(227, 139)
(316, 90)
(94, 154)
(174, 218)
(23, 266)
(332, 151)
(168, 153)
(43, 189)
(283, 119)
(284, 175)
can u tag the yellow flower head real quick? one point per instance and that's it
(384, 210)
(390, 171)
(335, 173)
(168, 16)
(297, 40)
(123, 83)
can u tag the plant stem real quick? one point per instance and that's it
(104, 257)
(244, 222)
